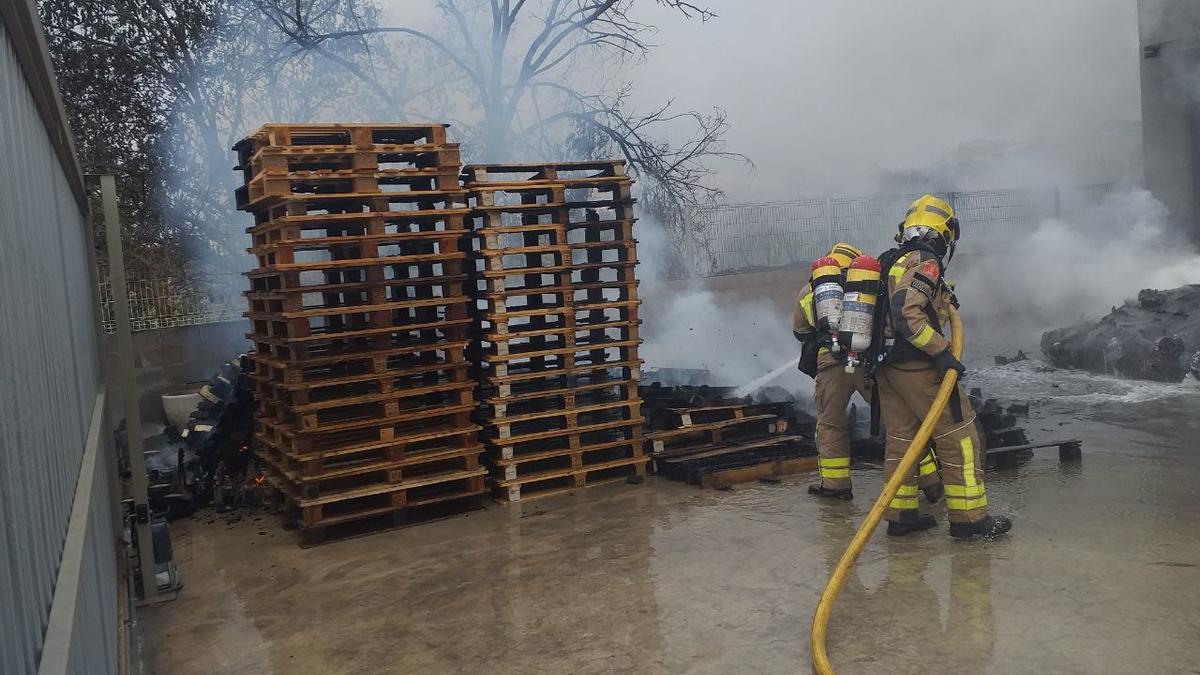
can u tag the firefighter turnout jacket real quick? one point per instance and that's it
(919, 306)
(919, 302)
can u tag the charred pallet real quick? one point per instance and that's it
(694, 432)
(699, 466)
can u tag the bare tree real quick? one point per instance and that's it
(529, 70)
(159, 90)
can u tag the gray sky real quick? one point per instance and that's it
(822, 93)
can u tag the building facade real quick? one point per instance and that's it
(1169, 34)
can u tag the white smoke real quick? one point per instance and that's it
(738, 336)
(1071, 269)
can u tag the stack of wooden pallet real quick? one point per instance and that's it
(557, 326)
(359, 315)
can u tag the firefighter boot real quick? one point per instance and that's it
(817, 490)
(910, 521)
(991, 526)
(934, 493)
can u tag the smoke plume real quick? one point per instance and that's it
(1070, 269)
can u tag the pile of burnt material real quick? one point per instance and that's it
(208, 460)
(359, 315)
(706, 436)
(998, 424)
(1155, 338)
(556, 325)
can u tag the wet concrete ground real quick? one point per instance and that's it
(1100, 575)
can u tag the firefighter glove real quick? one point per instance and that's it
(945, 362)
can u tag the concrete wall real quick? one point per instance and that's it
(1170, 60)
(169, 359)
(58, 495)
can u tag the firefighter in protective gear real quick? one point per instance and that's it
(833, 389)
(913, 358)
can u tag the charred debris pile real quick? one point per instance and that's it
(709, 437)
(1156, 337)
(207, 459)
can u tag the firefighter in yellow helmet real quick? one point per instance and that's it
(909, 364)
(832, 392)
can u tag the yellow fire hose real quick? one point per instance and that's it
(916, 449)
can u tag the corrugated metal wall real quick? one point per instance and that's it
(49, 380)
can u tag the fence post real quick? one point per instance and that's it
(128, 384)
(829, 223)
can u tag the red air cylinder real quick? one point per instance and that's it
(858, 308)
(827, 297)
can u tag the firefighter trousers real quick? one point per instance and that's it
(906, 390)
(834, 387)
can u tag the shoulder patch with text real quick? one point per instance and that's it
(922, 286)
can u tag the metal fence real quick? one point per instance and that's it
(742, 237)
(171, 303)
(59, 527)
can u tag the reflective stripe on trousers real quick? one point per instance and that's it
(906, 498)
(834, 467)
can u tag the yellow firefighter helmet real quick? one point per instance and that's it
(844, 253)
(930, 214)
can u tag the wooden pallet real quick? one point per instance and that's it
(593, 231)
(321, 206)
(559, 481)
(431, 443)
(554, 393)
(667, 442)
(298, 350)
(602, 177)
(356, 246)
(518, 376)
(580, 271)
(617, 424)
(442, 359)
(393, 409)
(360, 266)
(754, 458)
(378, 303)
(490, 199)
(677, 418)
(295, 160)
(283, 350)
(351, 218)
(349, 480)
(338, 321)
(573, 458)
(265, 190)
(372, 432)
(387, 499)
(359, 136)
(516, 426)
(617, 354)
(356, 295)
(307, 413)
